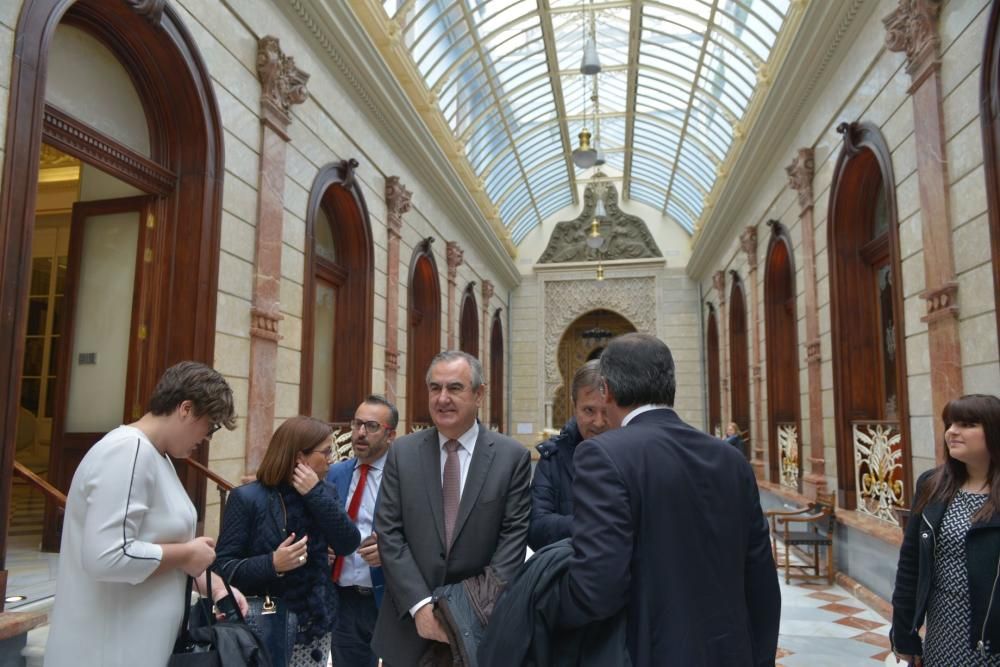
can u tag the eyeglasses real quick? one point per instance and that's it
(325, 453)
(369, 426)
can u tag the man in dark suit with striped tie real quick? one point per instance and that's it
(454, 499)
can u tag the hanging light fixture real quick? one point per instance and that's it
(594, 239)
(600, 212)
(584, 156)
(590, 64)
(600, 271)
(599, 159)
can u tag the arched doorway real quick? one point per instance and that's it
(583, 340)
(869, 366)
(468, 326)
(496, 373)
(739, 363)
(423, 339)
(714, 393)
(781, 337)
(989, 115)
(338, 297)
(143, 217)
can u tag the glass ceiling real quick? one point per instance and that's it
(677, 77)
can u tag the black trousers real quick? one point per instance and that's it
(351, 640)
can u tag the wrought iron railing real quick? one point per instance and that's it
(878, 469)
(789, 464)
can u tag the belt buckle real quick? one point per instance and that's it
(363, 590)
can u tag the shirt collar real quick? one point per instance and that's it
(643, 408)
(374, 465)
(467, 440)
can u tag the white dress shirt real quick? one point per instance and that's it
(468, 445)
(643, 408)
(355, 571)
(467, 442)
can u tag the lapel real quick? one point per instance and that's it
(277, 511)
(341, 478)
(430, 461)
(479, 466)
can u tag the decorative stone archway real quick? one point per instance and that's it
(567, 300)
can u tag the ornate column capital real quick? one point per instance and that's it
(912, 28)
(454, 254)
(800, 176)
(748, 244)
(282, 83)
(719, 283)
(397, 203)
(487, 293)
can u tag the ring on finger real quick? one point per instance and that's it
(302, 559)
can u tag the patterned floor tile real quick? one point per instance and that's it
(860, 623)
(829, 597)
(842, 609)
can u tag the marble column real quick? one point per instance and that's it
(719, 282)
(282, 85)
(484, 349)
(454, 255)
(397, 203)
(748, 244)
(913, 29)
(800, 178)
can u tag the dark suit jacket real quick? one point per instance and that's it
(667, 522)
(340, 476)
(491, 529)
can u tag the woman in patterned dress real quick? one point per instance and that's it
(948, 576)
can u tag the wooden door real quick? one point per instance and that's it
(109, 276)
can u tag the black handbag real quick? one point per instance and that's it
(229, 643)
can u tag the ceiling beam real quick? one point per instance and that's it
(549, 38)
(634, 40)
(690, 104)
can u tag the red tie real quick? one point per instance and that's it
(352, 511)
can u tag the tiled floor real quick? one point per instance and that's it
(825, 626)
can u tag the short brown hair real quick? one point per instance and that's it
(298, 434)
(587, 376)
(202, 385)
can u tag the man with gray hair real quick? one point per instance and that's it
(667, 525)
(454, 500)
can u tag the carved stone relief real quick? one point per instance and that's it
(625, 236)
(566, 300)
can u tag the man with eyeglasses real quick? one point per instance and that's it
(358, 576)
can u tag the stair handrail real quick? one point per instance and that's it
(25, 473)
(221, 482)
(223, 485)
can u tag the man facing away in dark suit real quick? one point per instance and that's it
(454, 500)
(667, 523)
(358, 577)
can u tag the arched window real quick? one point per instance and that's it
(338, 314)
(781, 337)
(739, 364)
(714, 393)
(989, 95)
(131, 274)
(468, 327)
(423, 339)
(866, 306)
(496, 373)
